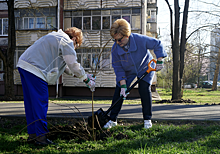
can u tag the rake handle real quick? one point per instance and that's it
(129, 89)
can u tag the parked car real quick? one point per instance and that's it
(189, 85)
(218, 84)
(206, 84)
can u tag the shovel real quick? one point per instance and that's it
(101, 117)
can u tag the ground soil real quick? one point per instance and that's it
(175, 101)
(180, 101)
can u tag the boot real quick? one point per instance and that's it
(42, 140)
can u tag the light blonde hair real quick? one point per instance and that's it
(75, 32)
(120, 26)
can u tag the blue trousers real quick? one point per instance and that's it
(144, 89)
(35, 91)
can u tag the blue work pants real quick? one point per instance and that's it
(144, 89)
(35, 92)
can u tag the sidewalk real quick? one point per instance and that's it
(160, 111)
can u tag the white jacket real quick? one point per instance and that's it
(49, 57)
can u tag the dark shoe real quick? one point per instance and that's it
(47, 142)
(31, 140)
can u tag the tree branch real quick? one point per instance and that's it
(208, 12)
(209, 3)
(171, 21)
(201, 28)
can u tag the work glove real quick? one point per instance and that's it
(123, 90)
(90, 83)
(159, 65)
(91, 77)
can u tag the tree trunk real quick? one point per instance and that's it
(9, 64)
(215, 80)
(176, 90)
(183, 39)
(178, 49)
(199, 66)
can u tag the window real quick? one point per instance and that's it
(28, 23)
(102, 19)
(96, 22)
(51, 22)
(95, 61)
(89, 58)
(3, 26)
(86, 60)
(77, 21)
(18, 53)
(86, 23)
(95, 58)
(151, 15)
(105, 22)
(151, 1)
(106, 58)
(115, 17)
(40, 23)
(39, 18)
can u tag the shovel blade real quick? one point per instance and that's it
(100, 119)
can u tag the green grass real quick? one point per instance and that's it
(200, 96)
(165, 137)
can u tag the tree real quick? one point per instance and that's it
(195, 63)
(214, 86)
(215, 55)
(178, 46)
(207, 59)
(8, 56)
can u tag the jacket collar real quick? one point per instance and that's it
(133, 46)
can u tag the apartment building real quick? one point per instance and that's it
(95, 18)
(36, 18)
(214, 51)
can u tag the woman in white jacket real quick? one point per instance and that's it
(43, 63)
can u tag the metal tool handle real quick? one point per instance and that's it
(129, 89)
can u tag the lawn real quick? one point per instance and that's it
(199, 95)
(164, 137)
(129, 137)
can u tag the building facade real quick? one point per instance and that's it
(36, 18)
(214, 51)
(95, 18)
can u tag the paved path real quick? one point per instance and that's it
(160, 111)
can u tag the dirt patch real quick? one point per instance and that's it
(79, 131)
(180, 101)
(175, 101)
(75, 131)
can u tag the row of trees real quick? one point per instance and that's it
(196, 66)
(188, 60)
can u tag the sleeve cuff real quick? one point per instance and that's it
(124, 86)
(83, 78)
(159, 62)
